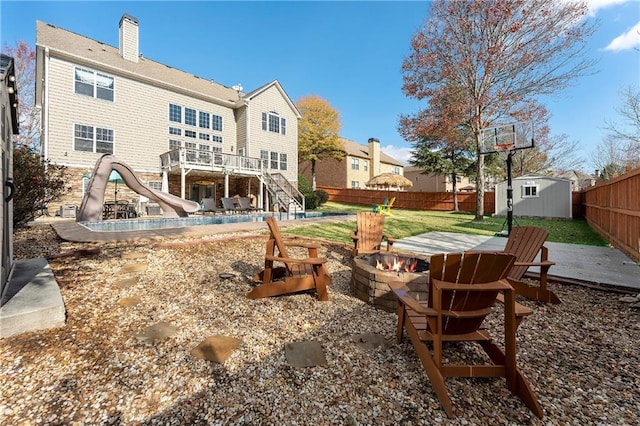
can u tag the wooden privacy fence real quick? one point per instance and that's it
(442, 201)
(612, 208)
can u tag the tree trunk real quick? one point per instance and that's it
(479, 180)
(454, 185)
(313, 174)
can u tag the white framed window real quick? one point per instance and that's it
(93, 83)
(93, 139)
(204, 136)
(283, 161)
(203, 121)
(155, 185)
(365, 166)
(174, 144)
(216, 122)
(530, 190)
(274, 160)
(175, 131)
(355, 164)
(215, 138)
(272, 122)
(190, 133)
(355, 184)
(190, 116)
(264, 156)
(395, 170)
(175, 113)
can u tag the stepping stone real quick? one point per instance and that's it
(133, 255)
(369, 341)
(133, 267)
(304, 354)
(156, 332)
(129, 301)
(216, 348)
(127, 283)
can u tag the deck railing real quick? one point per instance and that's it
(196, 159)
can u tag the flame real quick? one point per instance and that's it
(397, 264)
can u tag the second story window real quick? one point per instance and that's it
(355, 164)
(272, 122)
(204, 120)
(365, 166)
(396, 170)
(92, 83)
(216, 122)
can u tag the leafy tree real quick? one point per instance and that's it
(37, 183)
(499, 55)
(441, 144)
(318, 132)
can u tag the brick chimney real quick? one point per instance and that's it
(129, 38)
(374, 156)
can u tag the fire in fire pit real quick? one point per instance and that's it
(397, 263)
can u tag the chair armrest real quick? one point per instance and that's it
(389, 239)
(353, 235)
(302, 244)
(521, 310)
(499, 285)
(306, 261)
(545, 263)
(402, 293)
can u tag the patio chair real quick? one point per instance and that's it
(385, 207)
(229, 205)
(209, 206)
(245, 204)
(296, 275)
(525, 242)
(463, 288)
(368, 236)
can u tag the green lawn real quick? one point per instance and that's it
(406, 223)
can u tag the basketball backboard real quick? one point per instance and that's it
(506, 137)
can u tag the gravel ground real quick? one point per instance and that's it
(581, 357)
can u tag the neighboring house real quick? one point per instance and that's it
(360, 163)
(8, 128)
(434, 182)
(536, 196)
(201, 138)
(579, 180)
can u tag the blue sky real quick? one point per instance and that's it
(349, 53)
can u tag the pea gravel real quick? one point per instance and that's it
(581, 357)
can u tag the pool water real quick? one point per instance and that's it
(181, 222)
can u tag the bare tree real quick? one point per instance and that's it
(500, 54)
(627, 131)
(24, 57)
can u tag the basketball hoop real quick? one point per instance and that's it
(505, 140)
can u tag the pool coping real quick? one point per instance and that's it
(75, 232)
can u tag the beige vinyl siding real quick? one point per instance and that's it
(139, 117)
(272, 100)
(241, 126)
(360, 175)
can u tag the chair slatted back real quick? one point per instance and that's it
(467, 268)
(525, 243)
(370, 227)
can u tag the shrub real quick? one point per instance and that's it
(303, 185)
(36, 184)
(323, 196)
(311, 201)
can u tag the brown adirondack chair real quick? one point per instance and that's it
(463, 288)
(525, 242)
(368, 236)
(296, 275)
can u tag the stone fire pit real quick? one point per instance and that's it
(371, 284)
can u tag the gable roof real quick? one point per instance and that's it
(355, 149)
(277, 85)
(91, 53)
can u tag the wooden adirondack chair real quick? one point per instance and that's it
(368, 236)
(525, 242)
(296, 275)
(377, 208)
(463, 288)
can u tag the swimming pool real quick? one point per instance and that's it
(182, 222)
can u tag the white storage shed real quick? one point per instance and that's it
(536, 196)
